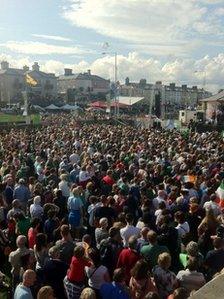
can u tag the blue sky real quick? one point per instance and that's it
(156, 39)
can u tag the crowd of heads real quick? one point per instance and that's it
(109, 211)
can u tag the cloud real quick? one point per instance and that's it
(134, 66)
(151, 22)
(219, 11)
(37, 48)
(52, 37)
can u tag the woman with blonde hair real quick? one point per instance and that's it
(88, 293)
(165, 280)
(46, 292)
(64, 185)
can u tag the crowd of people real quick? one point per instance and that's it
(102, 211)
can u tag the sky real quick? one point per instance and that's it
(168, 40)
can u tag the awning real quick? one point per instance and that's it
(98, 104)
(129, 101)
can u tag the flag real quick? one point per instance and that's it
(30, 80)
(220, 191)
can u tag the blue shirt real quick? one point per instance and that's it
(22, 292)
(22, 193)
(74, 203)
(113, 290)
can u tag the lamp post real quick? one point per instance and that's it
(115, 82)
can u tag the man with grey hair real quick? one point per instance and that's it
(101, 232)
(15, 257)
(23, 289)
(55, 271)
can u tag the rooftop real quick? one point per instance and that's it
(219, 97)
(129, 100)
(81, 76)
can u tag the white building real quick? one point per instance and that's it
(212, 105)
(169, 97)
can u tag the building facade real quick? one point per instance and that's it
(13, 83)
(167, 98)
(86, 83)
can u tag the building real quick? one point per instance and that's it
(163, 99)
(84, 83)
(13, 83)
(214, 105)
(46, 82)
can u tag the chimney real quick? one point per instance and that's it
(89, 72)
(4, 65)
(26, 68)
(36, 67)
(68, 72)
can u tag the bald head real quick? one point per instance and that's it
(21, 241)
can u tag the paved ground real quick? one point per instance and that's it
(212, 290)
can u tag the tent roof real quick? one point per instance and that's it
(71, 107)
(129, 101)
(52, 107)
(215, 98)
(67, 107)
(38, 107)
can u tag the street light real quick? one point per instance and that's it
(115, 81)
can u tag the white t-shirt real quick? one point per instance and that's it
(156, 201)
(64, 187)
(74, 158)
(97, 278)
(127, 232)
(36, 211)
(158, 214)
(84, 176)
(183, 229)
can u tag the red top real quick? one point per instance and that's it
(76, 272)
(108, 180)
(127, 259)
(31, 237)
